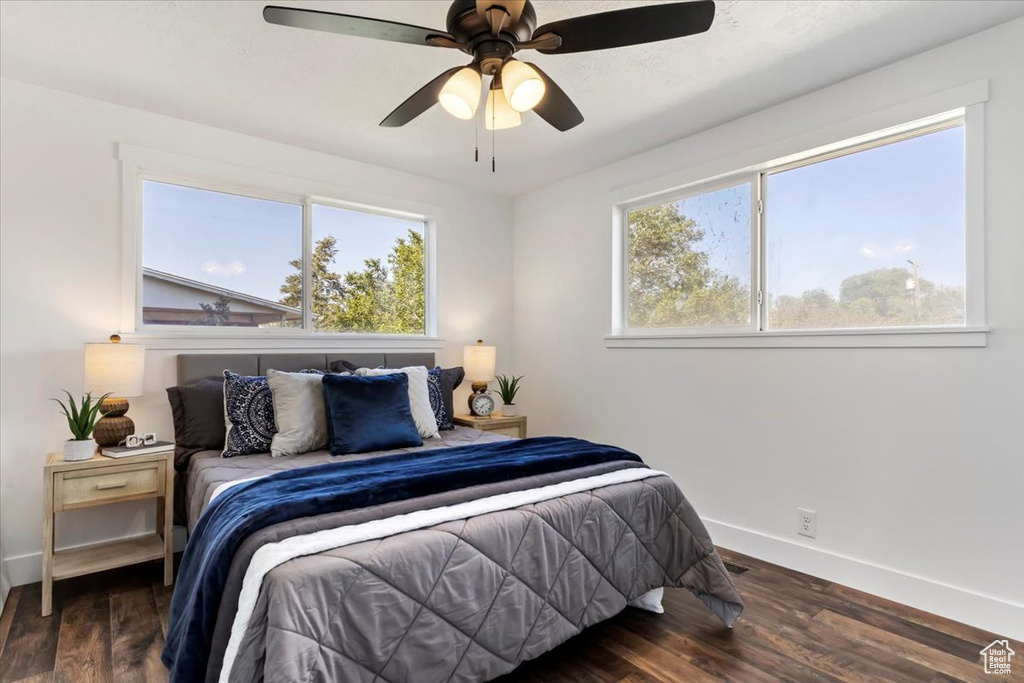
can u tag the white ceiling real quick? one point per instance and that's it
(219, 63)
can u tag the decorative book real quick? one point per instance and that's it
(125, 451)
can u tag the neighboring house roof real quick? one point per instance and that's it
(220, 291)
(999, 645)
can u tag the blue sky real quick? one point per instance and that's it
(848, 215)
(245, 244)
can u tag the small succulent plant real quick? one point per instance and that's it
(508, 387)
(82, 418)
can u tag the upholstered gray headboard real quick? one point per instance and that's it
(195, 366)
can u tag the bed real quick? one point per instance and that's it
(453, 561)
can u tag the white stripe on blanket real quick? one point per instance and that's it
(228, 484)
(271, 555)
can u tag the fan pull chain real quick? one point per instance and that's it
(493, 167)
(476, 142)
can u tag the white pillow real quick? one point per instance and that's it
(299, 412)
(419, 396)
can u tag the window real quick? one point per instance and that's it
(213, 258)
(217, 259)
(689, 261)
(367, 273)
(873, 238)
(868, 236)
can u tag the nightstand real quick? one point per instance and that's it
(103, 481)
(509, 426)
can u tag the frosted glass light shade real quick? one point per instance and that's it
(523, 85)
(114, 368)
(499, 113)
(460, 96)
(478, 362)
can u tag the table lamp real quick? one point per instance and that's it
(478, 362)
(116, 369)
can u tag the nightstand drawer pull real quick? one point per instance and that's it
(111, 485)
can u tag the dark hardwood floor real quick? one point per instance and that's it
(110, 627)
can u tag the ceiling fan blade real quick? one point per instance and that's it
(555, 107)
(632, 26)
(420, 101)
(350, 25)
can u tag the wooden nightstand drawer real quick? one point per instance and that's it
(508, 426)
(90, 487)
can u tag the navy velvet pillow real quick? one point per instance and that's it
(369, 413)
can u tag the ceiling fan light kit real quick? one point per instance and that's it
(499, 114)
(460, 95)
(492, 31)
(523, 85)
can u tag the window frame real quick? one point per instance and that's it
(139, 165)
(973, 332)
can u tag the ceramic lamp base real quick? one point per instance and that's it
(114, 426)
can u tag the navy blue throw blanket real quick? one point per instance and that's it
(334, 487)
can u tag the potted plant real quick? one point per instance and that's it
(508, 387)
(82, 420)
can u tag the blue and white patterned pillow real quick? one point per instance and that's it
(249, 412)
(437, 400)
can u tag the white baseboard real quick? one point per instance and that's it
(983, 611)
(29, 568)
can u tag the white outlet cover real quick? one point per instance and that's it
(807, 522)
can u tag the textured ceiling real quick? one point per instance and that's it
(218, 63)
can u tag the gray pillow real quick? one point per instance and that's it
(299, 412)
(198, 412)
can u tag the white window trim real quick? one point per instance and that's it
(965, 102)
(139, 164)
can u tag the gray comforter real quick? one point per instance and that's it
(466, 600)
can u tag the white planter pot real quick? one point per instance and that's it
(79, 450)
(508, 410)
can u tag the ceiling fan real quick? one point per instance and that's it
(492, 31)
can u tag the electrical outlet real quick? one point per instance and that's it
(807, 522)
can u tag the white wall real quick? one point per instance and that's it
(60, 222)
(922, 506)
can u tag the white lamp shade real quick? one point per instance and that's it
(115, 368)
(478, 362)
(499, 113)
(460, 96)
(522, 84)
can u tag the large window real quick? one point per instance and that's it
(868, 236)
(214, 258)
